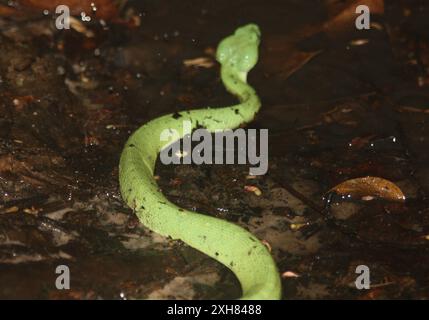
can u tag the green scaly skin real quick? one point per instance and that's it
(224, 241)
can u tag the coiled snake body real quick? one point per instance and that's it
(224, 241)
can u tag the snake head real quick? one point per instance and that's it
(240, 50)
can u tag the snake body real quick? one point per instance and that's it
(224, 241)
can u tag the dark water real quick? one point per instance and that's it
(339, 104)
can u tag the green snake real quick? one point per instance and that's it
(226, 242)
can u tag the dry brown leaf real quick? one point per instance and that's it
(290, 274)
(297, 226)
(13, 209)
(78, 26)
(6, 11)
(369, 187)
(285, 57)
(344, 15)
(199, 62)
(412, 109)
(253, 189)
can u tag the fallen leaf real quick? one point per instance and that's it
(285, 57)
(367, 187)
(359, 42)
(199, 62)
(6, 11)
(285, 54)
(31, 210)
(253, 189)
(6, 163)
(297, 226)
(412, 109)
(289, 274)
(78, 26)
(11, 209)
(344, 16)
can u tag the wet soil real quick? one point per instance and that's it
(339, 104)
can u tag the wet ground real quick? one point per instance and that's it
(339, 104)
